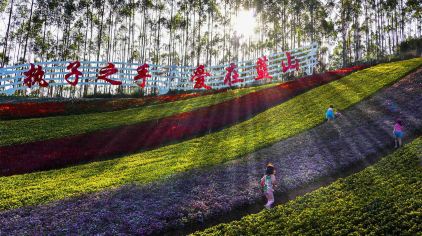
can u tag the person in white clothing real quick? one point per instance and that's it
(268, 182)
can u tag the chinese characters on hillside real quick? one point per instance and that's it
(73, 67)
(261, 69)
(232, 76)
(143, 71)
(105, 72)
(34, 76)
(201, 77)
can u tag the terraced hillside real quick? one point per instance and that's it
(153, 128)
(124, 190)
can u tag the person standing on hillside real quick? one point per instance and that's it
(329, 114)
(398, 133)
(268, 182)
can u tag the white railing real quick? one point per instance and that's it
(163, 78)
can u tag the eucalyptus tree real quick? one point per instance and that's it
(345, 8)
(84, 6)
(171, 24)
(159, 20)
(3, 5)
(415, 10)
(100, 6)
(28, 30)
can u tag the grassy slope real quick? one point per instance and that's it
(382, 199)
(296, 115)
(28, 130)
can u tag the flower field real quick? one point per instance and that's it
(44, 155)
(207, 196)
(382, 199)
(285, 120)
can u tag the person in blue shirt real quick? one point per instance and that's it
(329, 114)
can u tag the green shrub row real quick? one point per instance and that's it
(285, 120)
(384, 199)
(35, 129)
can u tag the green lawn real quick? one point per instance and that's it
(384, 199)
(28, 130)
(285, 120)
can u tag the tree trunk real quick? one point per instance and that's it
(187, 16)
(312, 22)
(208, 40)
(198, 53)
(144, 26)
(86, 30)
(89, 55)
(159, 36)
(99, 43)
(343, 34)
(100, 33)
(192, 53)
(43, 38)
(7, 34)
(367, 30)
(28, 30)
(129, 52)
(133, 27)
(356, 38)
(402, 20)
(110, 31)
(169, 59)
(224, 32)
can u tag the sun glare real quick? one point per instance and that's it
(245, 23)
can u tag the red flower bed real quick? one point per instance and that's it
(44, 109)
(31, 109)
(49, 154)
(348, 69)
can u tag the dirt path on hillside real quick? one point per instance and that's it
(198, 198)
(114, 142)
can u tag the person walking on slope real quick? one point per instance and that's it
(268, 182)
(329, 114)
(398, 133)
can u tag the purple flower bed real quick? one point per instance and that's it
(362, 133)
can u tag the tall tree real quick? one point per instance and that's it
(6, 37)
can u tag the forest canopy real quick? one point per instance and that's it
(190, 32)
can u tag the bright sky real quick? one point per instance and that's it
(245, 23)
